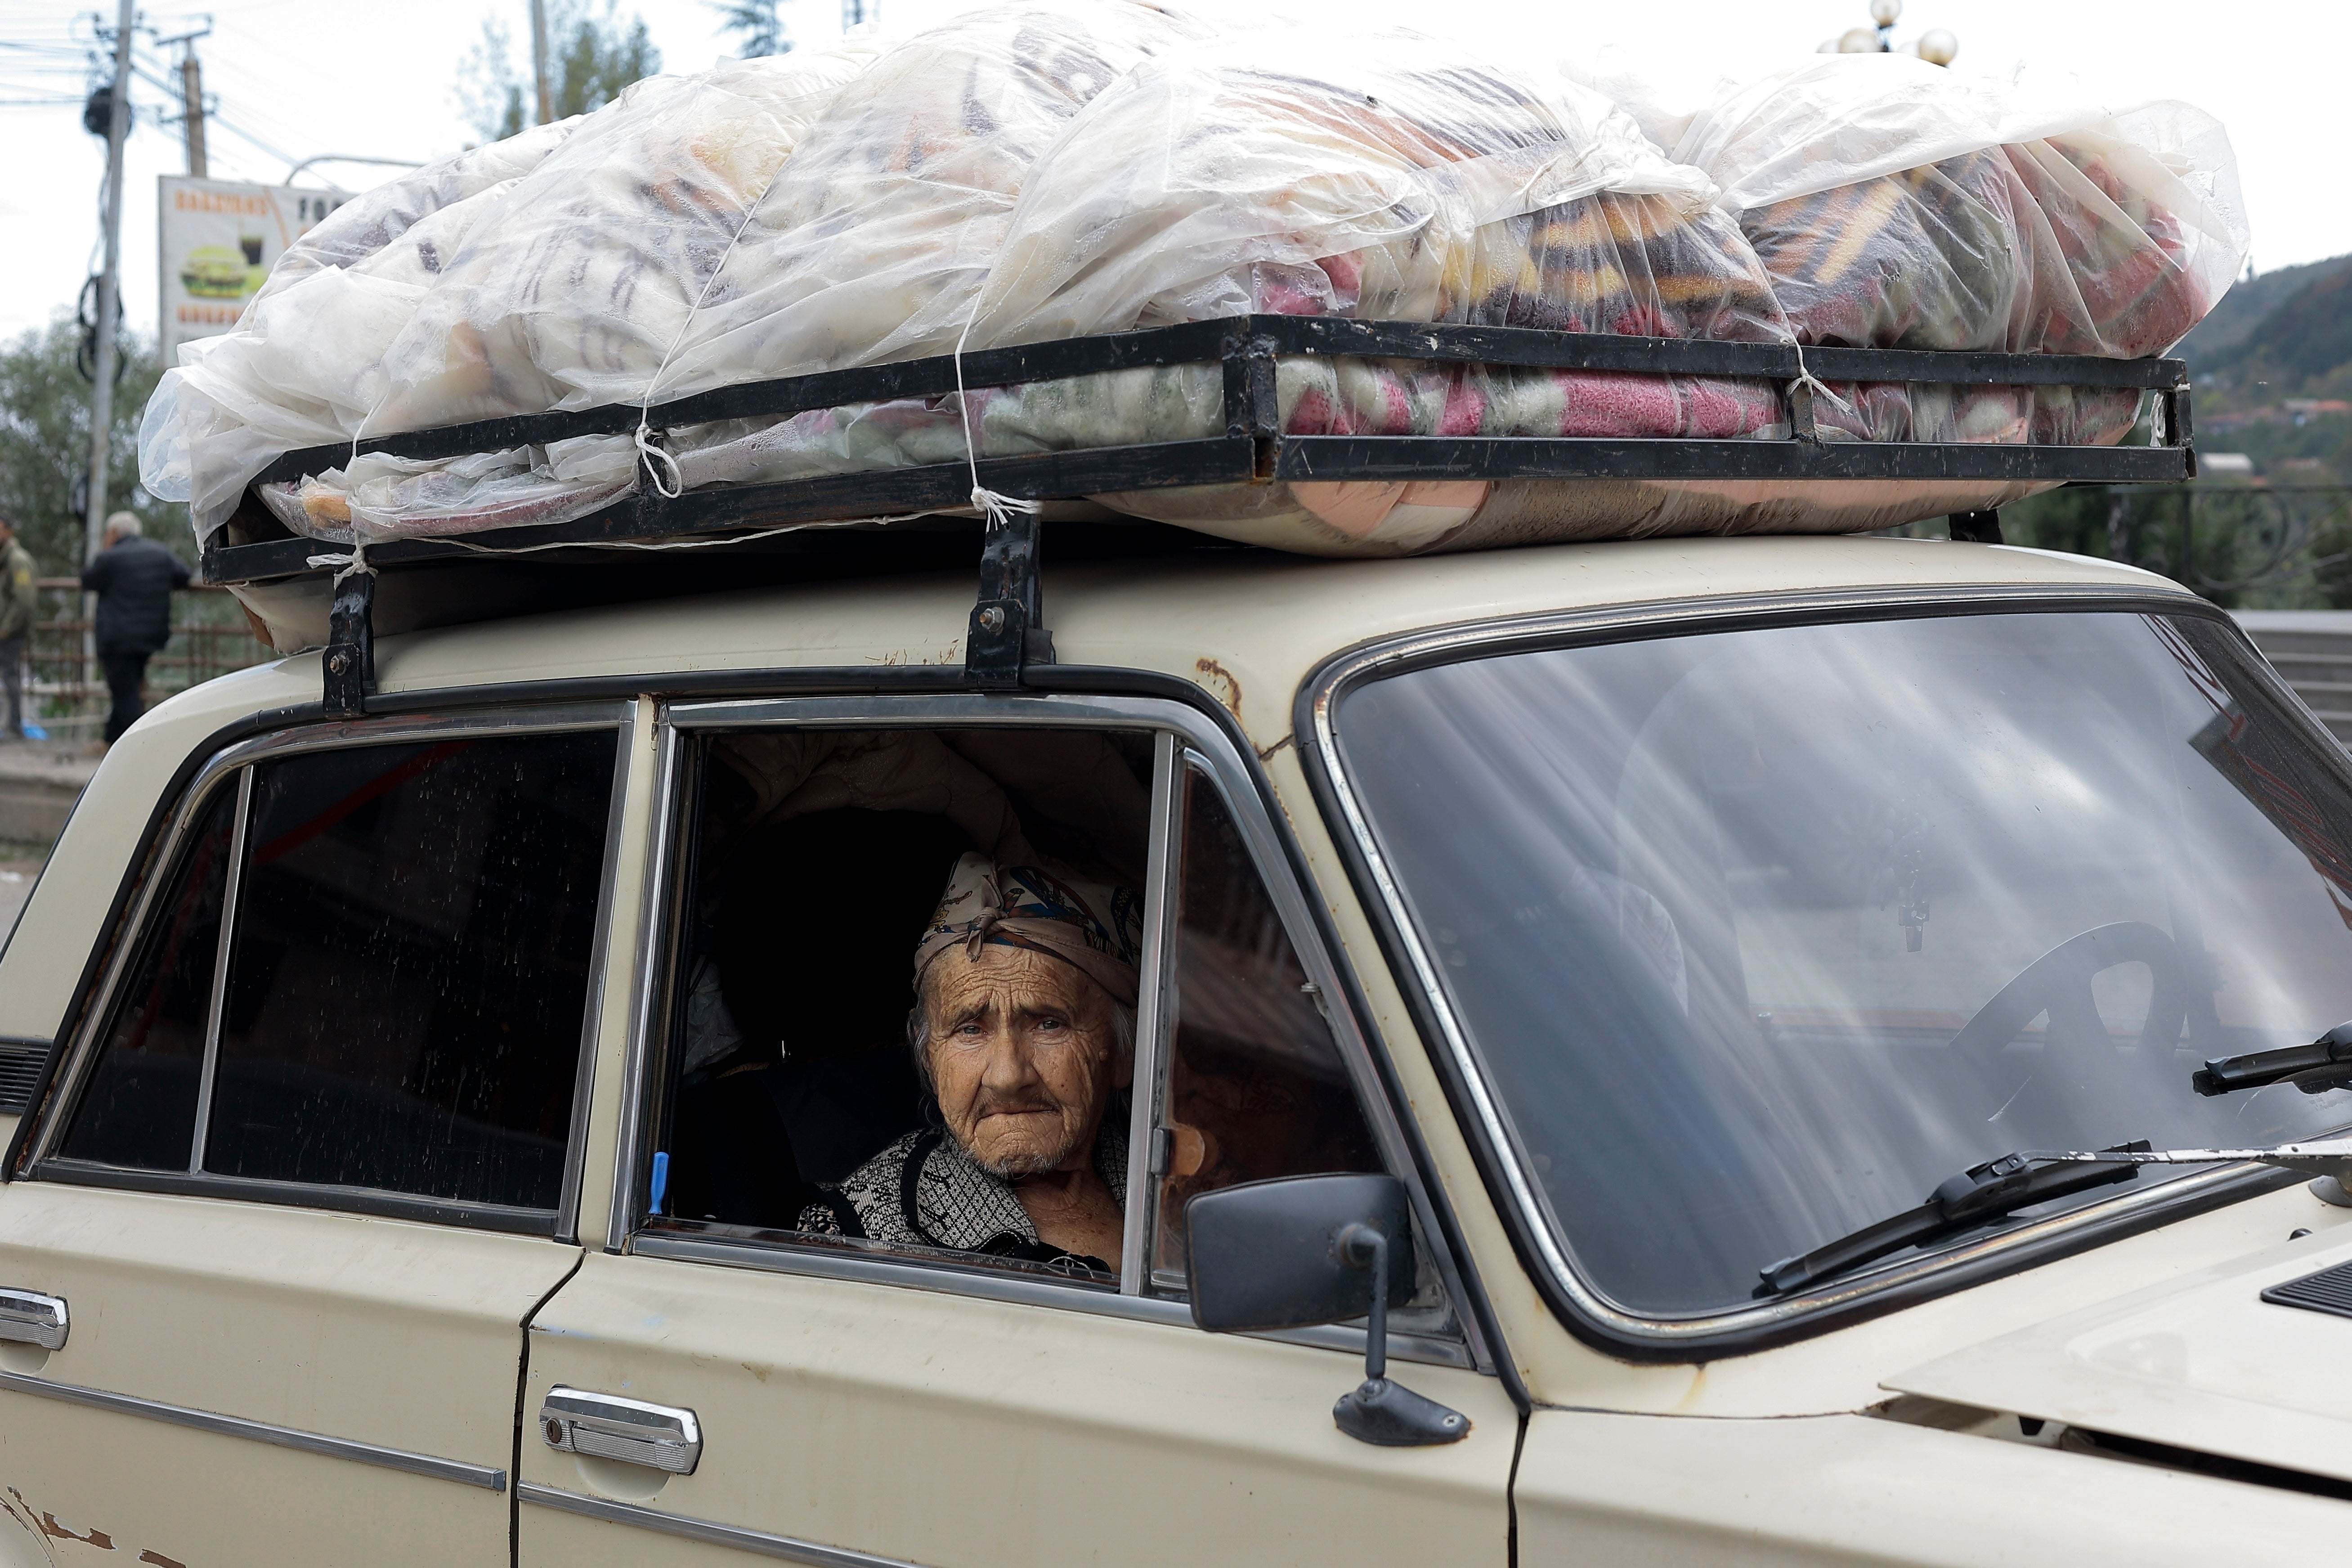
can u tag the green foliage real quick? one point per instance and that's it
(2308, 336)
(2073, 518)
(45, 447)
(592, 55)
(758, 29)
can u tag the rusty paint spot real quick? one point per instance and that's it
(1265, 754)
(160, 1561)
(97, 1538)
(1691, 1395)
(1232, 695)
(762, 1373)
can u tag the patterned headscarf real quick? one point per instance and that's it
(1097, 929)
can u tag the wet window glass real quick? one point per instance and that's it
(139, 1107)
(1759, 936)
(409, 974)
(1256, 1085)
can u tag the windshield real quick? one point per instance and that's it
(1717, 913)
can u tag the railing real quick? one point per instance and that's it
(68, 694)
(2244, 546)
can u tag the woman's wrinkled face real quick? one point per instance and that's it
(1021, 1052)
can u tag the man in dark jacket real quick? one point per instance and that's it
(19, 608)
(133, 578)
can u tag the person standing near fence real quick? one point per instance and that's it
(19, 608)
(133, 578)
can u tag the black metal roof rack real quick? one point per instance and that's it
(1006, 629)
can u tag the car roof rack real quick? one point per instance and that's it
(1007, 630)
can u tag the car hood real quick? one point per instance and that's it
(2204, 1363)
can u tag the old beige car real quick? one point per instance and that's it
(1654, 951)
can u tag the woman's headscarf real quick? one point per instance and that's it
(1097, 928)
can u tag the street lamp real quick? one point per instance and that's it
(1935, 45)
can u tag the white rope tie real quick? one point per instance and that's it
(353, 564)
(1807, 378)
(994, 506)
(670, 543)
(650, 452)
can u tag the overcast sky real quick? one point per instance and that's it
(300, 78)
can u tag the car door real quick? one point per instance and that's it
(314, 1159)
(705, 1390)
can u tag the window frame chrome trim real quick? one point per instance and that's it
(1738, 1330)
(600, 957)
(376, 1203)
(487, 1478)
(654, 912)
(224, 941)
(41, 1160)
(759, 1542)
(1158, 966)
(924, 710)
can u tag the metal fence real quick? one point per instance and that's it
(68, 694)
(2261, 546)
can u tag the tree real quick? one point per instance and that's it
(45, 447)
(758, 29)
(591, 57)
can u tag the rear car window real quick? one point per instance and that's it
(139, 1109)
(398, 1001)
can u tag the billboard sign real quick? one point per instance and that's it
(219, 239)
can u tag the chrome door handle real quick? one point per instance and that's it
(29, 1318)
(607, 1426)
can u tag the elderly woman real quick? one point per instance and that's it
(1023, 1029)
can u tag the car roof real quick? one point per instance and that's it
(1247, 626)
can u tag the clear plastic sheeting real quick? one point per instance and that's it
(1394, 178)
(1899, 204)
(380, 497)
(1071, 167)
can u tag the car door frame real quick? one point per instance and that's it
(35, 1158)
(1202, 743)
(228, 762)
(1186, 733)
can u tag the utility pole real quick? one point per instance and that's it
(538, 61)
(192, 96)
(110, 285)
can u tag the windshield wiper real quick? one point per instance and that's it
(2314, 1069)
(1999, 1188)
(1978, 1195)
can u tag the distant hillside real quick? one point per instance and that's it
(2303, 338)
(2245, 306)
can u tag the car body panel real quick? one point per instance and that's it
(390, 1333)
(955, 1432)
(2201, 1363)
(1819, 1489)
(1046, 1418)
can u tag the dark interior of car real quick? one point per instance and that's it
(812, 942)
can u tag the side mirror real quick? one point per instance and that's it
(1309, 1249)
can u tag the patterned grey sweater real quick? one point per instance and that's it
(924, 1191)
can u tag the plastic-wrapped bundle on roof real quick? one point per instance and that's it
(1899, 204)
(1071, 167)
(1395, 179)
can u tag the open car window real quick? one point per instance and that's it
(798, 1109)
